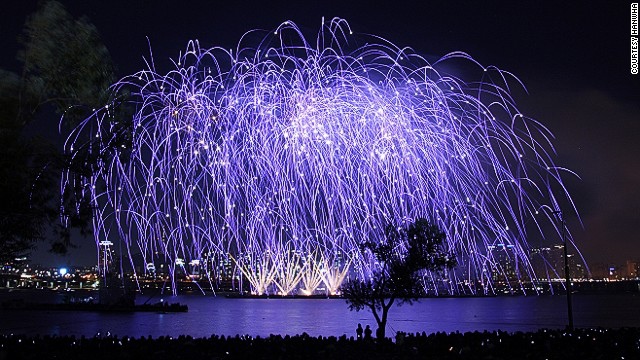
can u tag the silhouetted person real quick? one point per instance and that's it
(359, 332)
(367, 333)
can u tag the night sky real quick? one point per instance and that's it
(573, 59)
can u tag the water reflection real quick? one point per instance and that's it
(218, 315)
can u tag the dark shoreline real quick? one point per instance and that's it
(580, 344)
(589, 287)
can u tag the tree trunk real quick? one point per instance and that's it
(382, 324)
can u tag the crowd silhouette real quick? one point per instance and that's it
(544, 344)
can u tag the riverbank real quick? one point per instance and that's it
(580, 344)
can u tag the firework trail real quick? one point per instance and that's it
(273, 161)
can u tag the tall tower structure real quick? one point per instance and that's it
(105, 258)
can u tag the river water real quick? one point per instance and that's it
(223, 316)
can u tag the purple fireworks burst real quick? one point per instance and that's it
(271, 162)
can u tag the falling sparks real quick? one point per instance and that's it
(280, 158)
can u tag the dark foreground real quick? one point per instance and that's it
(544, 344)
